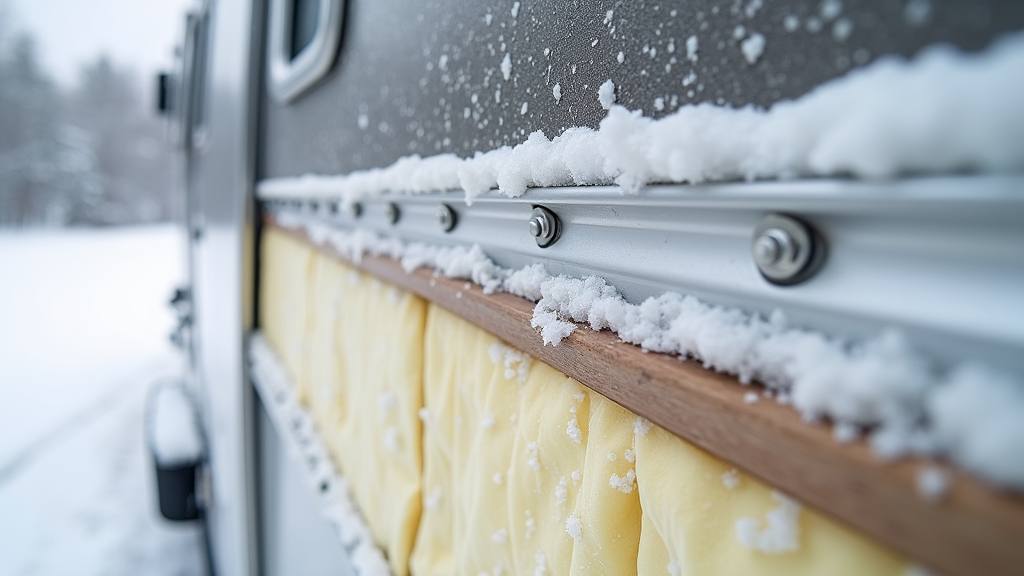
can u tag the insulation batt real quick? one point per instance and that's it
(969, 414)
(943, 112)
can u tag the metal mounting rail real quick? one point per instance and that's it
(940, 259)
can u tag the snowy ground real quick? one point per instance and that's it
(83, 333)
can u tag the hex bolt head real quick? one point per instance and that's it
(544, 226)
(786, 250)
(392, 213)
(446, 217)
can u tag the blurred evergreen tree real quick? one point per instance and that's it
(93, 155)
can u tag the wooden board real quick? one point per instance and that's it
(973, 530)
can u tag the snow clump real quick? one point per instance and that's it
(753, 47)
(174, 428)
(859, 125)
(606, 94)
(782, 533)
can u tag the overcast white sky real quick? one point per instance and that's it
(140, 34)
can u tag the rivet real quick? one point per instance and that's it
(544, 226)
(446, 217)
(786, 250)
(392, 213)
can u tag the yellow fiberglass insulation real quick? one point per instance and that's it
(467, 457)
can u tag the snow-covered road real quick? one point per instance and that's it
(83, 333)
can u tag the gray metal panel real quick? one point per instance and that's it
(295, 538)
(220, 171)
(390, 70)
(942, 259)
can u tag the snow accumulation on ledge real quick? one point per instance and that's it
(944, 111)
(881, 387)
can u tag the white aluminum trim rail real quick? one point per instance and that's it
(940, 259)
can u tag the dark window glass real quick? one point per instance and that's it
(305, 14)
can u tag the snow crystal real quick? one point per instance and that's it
(750, 398)
(442, 62)
(932, 483)
(739, 32)
(573, 430)
(525, 107)
(791, 23)
(845, 432)
(532, 450)
(782, 533)
(515, 9)
(830, 9)
(175, 435)
(424, 413)
(506, 66)
(487, 18)
(498, 478)
(574, 527)
(500, 536)
(516, 363)
(576, 476)
(753, 7)
(641, 426)
(387, 402)
(363, 121)
(531, 525)
(553, 330)
(691, 48)
(606, 94)
(917, 12)
(673, 568)
(731, 478)
(842, 29)
(391, 438)
(557, 92)
(540, 568)
(624, 484)
(753, 47)
(561, 492)
(621, 57)
(433, 499)
(976, 417)
(487, 422)
(659, 103)
(629, 455)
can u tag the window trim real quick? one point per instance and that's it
(290, 77)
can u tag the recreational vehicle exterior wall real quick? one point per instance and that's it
(765, 212)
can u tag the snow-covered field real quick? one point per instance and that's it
(83, 333)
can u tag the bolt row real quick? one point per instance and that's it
(785, 250)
